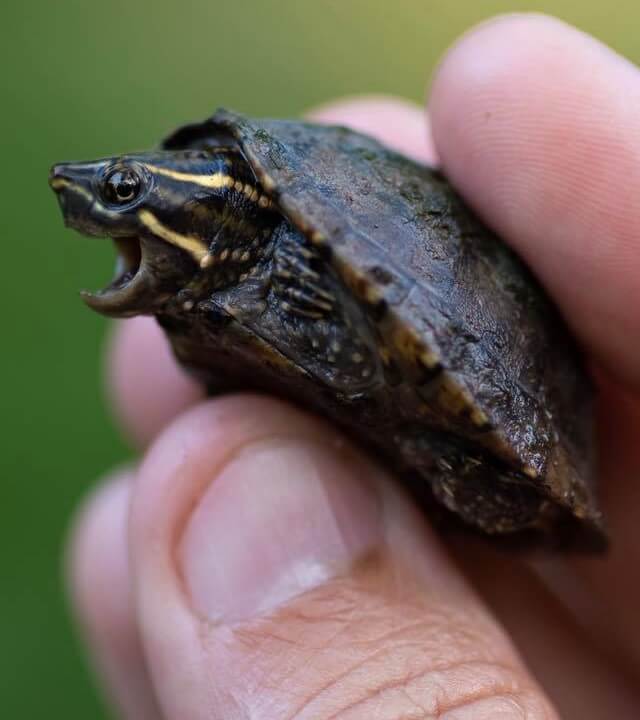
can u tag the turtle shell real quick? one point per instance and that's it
(482, 355)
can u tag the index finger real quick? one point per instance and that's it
(537, 125)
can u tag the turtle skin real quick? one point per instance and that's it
(466, 378)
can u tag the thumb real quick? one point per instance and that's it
(278, 574)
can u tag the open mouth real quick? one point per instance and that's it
(128, 260)
(122, 295)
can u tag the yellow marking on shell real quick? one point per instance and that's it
(453, 397)
(268, 183)
(207, 261)
(372, 295)
(478, 417)
(530, 471)
(194, 246)
(224, 255)
(407, 341)
(357, 357)
(429, 359)
(214, 181)
(263, 201)
(245, 257)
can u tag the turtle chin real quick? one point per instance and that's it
(134, 289)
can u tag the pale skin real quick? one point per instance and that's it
(254, 565)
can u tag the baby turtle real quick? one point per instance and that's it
(314, 263)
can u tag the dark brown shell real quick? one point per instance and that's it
(453, 299)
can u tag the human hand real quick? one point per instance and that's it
(257, 566)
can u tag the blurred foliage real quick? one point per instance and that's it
(81, 79)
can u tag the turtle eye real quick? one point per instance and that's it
(121, 186)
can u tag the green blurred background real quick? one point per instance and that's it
(81, 79)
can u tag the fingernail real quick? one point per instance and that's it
(277, 521)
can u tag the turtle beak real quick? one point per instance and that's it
(71, 175)
(131, 287)
(73, 184)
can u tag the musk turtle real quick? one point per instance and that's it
(314, 263)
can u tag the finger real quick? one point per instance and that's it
(579, 677)
(398, 123)
(534, 123)
(100, 586)
(279, 574)
(537, 124)
(145, 386)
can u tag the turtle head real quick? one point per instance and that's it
(162, 209)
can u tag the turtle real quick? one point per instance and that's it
(314, 263)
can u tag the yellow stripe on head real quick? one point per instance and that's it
(213, 181)
(194, 246)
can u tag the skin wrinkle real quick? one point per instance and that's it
(434, 705)
(426, 627)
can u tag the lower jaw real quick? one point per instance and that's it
(129, 291)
